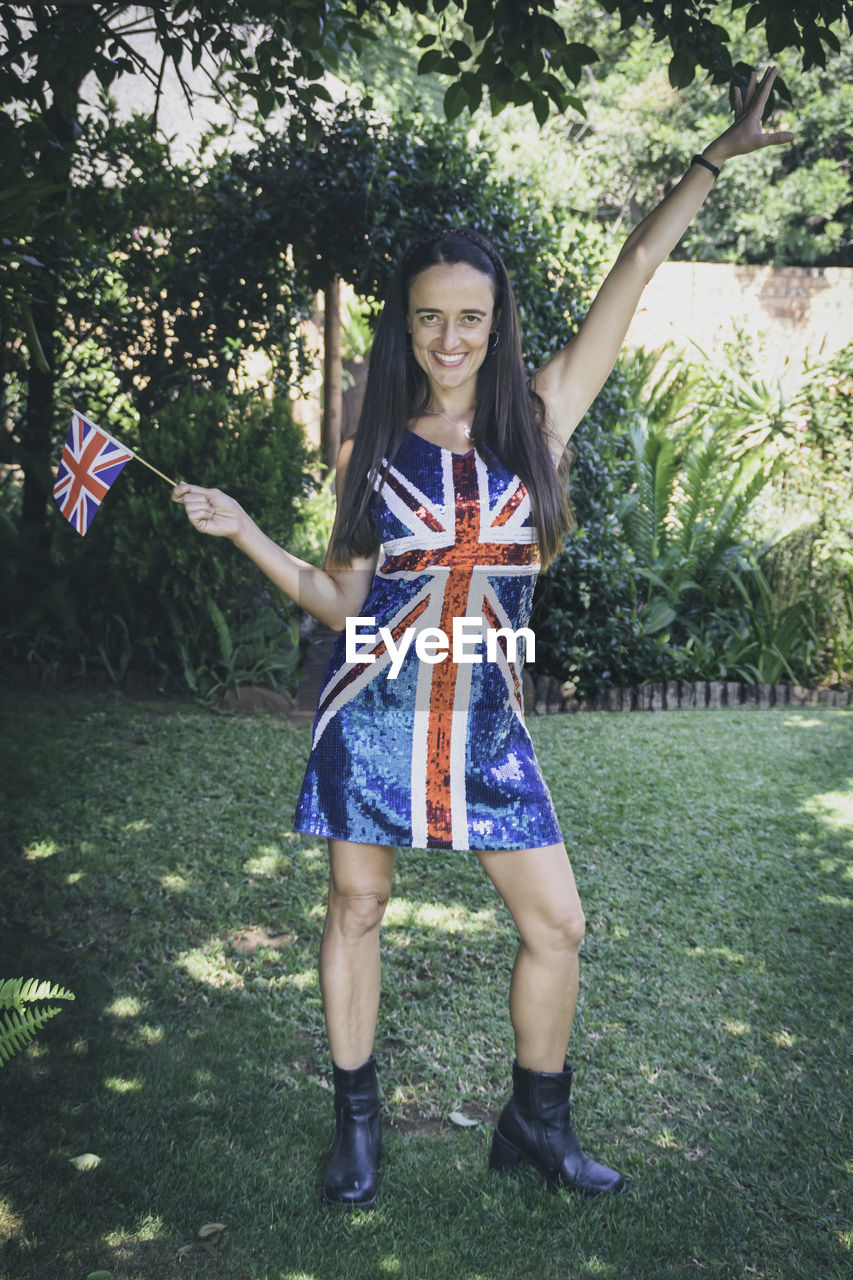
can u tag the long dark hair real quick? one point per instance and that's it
(509, 419)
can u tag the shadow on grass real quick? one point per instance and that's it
(714, 1037)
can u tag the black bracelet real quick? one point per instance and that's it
(707, 163)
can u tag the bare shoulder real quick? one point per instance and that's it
(359, 564)
(558, 385)
(344, 455)
(559, 417)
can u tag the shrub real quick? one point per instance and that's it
(714, 538)
(585, 608)
(144, 589)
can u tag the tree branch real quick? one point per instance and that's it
(157, 94)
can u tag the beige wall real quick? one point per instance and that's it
(785, 311)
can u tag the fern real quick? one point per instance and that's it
(19, 1024)
(685, 518)
(223, 632)
(654, 469)
(702, 466)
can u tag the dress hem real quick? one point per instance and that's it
(386, 844)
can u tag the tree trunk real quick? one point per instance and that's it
(330, 439)
(37, 427)
(53, 167)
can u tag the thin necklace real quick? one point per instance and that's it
(438, 413)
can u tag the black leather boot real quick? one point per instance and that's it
(352, 1177)
(536, 1125)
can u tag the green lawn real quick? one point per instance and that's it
(714, 853)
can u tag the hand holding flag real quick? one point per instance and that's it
(91, 460)
(210, 510)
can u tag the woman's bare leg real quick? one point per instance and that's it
(359, 888)
(538, 887)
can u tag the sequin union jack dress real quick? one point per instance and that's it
(439, 756)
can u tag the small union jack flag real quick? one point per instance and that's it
(91, 461)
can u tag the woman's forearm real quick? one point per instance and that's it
(653, 240)
(313, 589)
(651, 243)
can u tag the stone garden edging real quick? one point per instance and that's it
(543, 695)
(546, 695)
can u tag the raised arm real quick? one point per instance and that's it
(330, 595)
(572, 378)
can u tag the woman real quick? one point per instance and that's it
(417, 742)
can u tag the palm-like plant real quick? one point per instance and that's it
(700, 462)
(764, 641)
(685, 519)
(675, 580)
(757, 413)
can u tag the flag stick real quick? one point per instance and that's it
(154, 469)
(136, 456)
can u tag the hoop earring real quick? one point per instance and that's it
(494, 339)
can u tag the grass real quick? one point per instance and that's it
(714, 853)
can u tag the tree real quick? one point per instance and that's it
(792, 208)
(526, 53)
(613, 163)
(177, 271)
(348, 199)
(276, 51)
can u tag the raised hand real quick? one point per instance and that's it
(746, 134)
(211, 511)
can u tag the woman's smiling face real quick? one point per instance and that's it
(450, 319)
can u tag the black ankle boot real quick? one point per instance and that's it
(535, 1125)
(352, 1177)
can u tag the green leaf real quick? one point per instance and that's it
(830, 38)
(463, 1121)
(15, 992)
(18, 1027)
(473, 86)
(430, 62)
(781, 32)
(656, 615)
(682, 69)
(35, 990)
(455, 100)
(541, 107)
(266, 100)
(33, 340)
(480, 16)
(581, 52)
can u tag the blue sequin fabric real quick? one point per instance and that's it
(435, 754)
